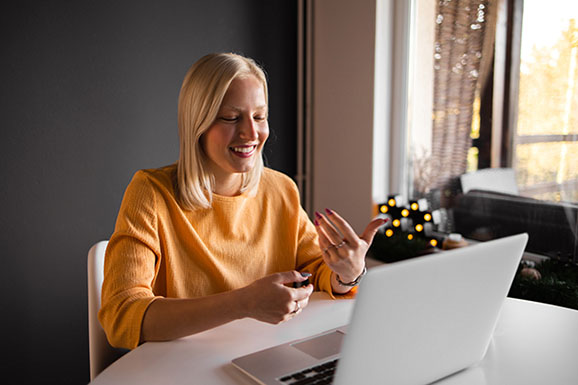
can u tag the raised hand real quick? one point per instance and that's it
(343, 250)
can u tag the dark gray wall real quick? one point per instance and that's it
(88, 96)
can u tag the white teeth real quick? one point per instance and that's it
(243, 149)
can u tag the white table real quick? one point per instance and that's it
(533, 344)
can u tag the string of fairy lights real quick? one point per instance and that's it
(412, 220)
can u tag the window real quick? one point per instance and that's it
(529, 117)
(546, 134)
(511, 67)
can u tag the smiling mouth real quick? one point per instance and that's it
(244, 151)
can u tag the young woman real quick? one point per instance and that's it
(218, 236)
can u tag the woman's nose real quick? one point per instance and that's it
(249, 129)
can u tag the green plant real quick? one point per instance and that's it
(557, 286)
(398, 247)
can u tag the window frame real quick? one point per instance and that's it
(501, 120)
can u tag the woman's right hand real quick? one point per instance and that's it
(272, 299)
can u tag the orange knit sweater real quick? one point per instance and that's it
(161, 250)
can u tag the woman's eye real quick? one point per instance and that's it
(259, 118)
(229, 118)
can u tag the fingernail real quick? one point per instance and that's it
(318, 215)
(329, 211)
(306, 274)
(315, 222)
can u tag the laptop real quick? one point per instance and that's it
(413, 322)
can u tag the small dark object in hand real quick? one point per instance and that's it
(301, 284)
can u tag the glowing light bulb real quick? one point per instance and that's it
(391, 202)
(427, 217)
(389, 232)
(433, 242)
(396, 222)
(404, 212)
(419, 227)
(414, 206)
(410, 236)
(383, 209)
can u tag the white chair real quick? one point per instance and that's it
(501, 180)
(101, 353)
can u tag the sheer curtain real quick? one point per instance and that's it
(463, 53)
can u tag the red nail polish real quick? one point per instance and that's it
(317, 215)
(329, 211)
(316, 223)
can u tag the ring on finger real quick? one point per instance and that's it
(340, 244)
(327, 248)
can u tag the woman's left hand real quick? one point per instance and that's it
(343, 250)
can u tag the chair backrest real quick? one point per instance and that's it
(501, 180)
(101, 353)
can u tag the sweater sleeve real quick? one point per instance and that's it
(130, 265)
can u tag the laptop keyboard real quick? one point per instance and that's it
(317, 375)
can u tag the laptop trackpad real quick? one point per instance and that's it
(323, 346)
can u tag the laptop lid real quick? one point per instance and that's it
(413, 322)
(419, 320)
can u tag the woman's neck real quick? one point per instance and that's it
(228, 186)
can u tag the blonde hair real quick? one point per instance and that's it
(200, 98)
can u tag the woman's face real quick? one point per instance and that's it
(236, 138)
